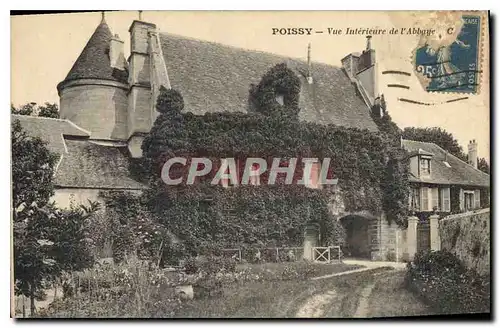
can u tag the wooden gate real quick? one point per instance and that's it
(321, 254)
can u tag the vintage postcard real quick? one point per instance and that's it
(232, 164)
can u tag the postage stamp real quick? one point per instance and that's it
(452, 64)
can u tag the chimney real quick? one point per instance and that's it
(472, 156)
(309, 73)
(367, 58)
(116, 53)
(139, 97)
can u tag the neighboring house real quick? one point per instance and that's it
(443, 183)
(84, 167)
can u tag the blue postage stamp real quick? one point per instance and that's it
(452, 65)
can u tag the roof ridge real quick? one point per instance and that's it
(246, 49)
(425, 142)
(40, 117)
(54, 119)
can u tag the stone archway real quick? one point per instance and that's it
(358, 237)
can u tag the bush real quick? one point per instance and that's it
(443, 281)
(209, 265)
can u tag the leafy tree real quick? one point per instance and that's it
(483, 165)
(32, 109)
(47, 241)
(48, 110)
(26, 109)
(436, 135)
(32, 168)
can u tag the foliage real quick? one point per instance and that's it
(32, 168)
(244, 216)
(49, 110)
(436, 135)
(279, 80)
(26, 109)
(483, 165)
(136, 289)
(136, 230)
(370, 168)
(46, 110)
(395, 185)
(47, 241)
(169, 100)
(443, 281)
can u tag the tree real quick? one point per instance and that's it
(32, 168)
(47, 241)
(436, 135)
(49, 110)
(483, 165)
(26, 109)
(32, 109)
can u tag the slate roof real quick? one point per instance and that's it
(213, 77)
(94, 62)
(89, 165)
(51, 130)
(83, 164)
(459, 172)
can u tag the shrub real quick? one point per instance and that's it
(442, 281)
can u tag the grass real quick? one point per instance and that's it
(320, 269)
(266, 297)
(389, 298)
(280, 299)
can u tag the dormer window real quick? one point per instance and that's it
(425, 166)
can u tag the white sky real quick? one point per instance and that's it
(45, 47)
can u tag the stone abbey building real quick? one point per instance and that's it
(107, 105)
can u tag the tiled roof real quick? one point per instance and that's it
(214, 77)
(94, 62)
(458, 172)
(89, 165)
(50, 130)
(82, 164)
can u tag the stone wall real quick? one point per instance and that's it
(97, 106)
(467, 235)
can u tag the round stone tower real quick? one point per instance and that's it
(94, 93)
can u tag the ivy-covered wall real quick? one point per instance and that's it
(369, 166)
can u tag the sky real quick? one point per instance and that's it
(44, 48)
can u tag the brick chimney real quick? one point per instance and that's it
(361, 69)
(472, 155)
(116, 53)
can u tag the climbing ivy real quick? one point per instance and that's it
(279, 80)
(370, 168)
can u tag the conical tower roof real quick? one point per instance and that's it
(93, 62)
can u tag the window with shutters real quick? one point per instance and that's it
(469, 200)
(445, 205)
(477, 199)
(424, 199)
(425, 166)
(435, 199)
(414, 199)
